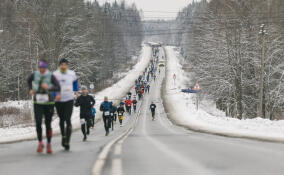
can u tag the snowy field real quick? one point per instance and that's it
(208, 118)
(115, 93)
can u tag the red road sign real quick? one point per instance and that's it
(197, 87)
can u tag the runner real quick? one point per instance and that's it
(128, 104)
(153, 109)
(93, 116)
(139, 94)
(65, 100)
(134, 102)
(129, 95)
(105, 108)
(148, 88)
(86, 103)
(113, 115)
(120, 112)
(42, 84)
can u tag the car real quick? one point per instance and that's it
(161, 63)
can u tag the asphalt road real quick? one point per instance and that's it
(153, 148)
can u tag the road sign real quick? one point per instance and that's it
(92, 86)
(196, 87)
(189, 91)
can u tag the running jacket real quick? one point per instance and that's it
(105, 106)
(86, 104)
(153, 107)
(68, 83)
(120, 111)
(44, 97)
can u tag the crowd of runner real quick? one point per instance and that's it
(60, 90)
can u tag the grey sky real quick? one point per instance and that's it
(157, 8)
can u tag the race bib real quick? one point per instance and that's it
(82, 121)
(66, 88)
(107, 113)
(42, 98)
(120, 114)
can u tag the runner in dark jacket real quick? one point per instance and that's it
(106, 108)
(120, 112)
(86, 103)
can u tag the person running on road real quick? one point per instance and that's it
(93, 116)
(129, 94)
(42, 85)
(86, 103)
(120, 112)
(65, 100)
(134, 102)
(148, 88)
(128, 104)
(105, 108)
(153, 109)
(139, 94)
(113, 115)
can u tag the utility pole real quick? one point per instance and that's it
(262, 33)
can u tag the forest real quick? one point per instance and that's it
(224, 42)
(100, 41)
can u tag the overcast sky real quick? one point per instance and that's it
(157, 8)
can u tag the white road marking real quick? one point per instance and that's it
(117, 167)
(118, 149)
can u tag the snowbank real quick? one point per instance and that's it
(115, 93)
(208, 118)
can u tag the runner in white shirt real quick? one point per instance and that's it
(65, 99)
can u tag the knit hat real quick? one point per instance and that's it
(63, 60)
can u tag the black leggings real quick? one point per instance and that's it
(46, 111)
(85, 124)
(107, 122)
(64, 110)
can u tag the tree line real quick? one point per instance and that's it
(222, 42)
(99, 40)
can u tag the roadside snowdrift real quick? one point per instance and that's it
(115, 93)
(208, 119)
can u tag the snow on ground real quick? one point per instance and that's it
(115, 93)
(208, 118)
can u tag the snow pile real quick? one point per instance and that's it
(115, 93)
(183, 110)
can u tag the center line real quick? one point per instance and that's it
(118, 149)
(116, 167)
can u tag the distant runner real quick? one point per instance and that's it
(42, 84)
(120, 112)
(105, 108)
(134, 102)
(153, 109)
(93, 116)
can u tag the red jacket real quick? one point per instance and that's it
(128, 102)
